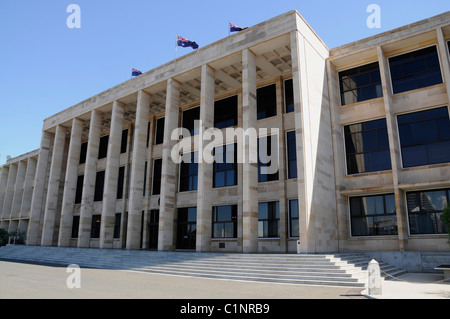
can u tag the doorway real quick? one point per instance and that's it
(187, 228)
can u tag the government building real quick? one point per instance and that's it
(362, 143)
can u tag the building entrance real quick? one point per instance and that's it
(186, 228)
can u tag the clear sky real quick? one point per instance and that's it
(46, 67)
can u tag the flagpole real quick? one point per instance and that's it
(176, 46)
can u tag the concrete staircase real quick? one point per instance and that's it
(344, 269)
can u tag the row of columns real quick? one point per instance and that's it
(52, 148)
(16, 188)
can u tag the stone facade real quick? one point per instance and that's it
(53, 196)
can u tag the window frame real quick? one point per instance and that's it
(235, 115)
(346, 154)
(157, 131)
(192, 131)
(268, 177)
(258, 110)
(233, 221)
(366, 68)
(285, 106)
(410, 52)
(401, 146)
(269, 220)
(367, 216)
(154, 179)
(189, 176)
(234, 166)
(288, 159)
(293, 219)
(424, 213)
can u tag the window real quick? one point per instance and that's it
(373, 215)
(425, 211)
(189, 118)
(265, 149)
(103, 147)
(367, 147)
(415, 70)
(289, 96)
(79, 190)
(266, 101)
(75, 226)
(226, 112)
(425, 137)
(148, 134)
(120, 181)
(95, 226)
(117, 221)
(360, 84)
(291, 155)
(83, 152)
(144, 187)
(225, 166)
(293, 218)
(99, 185)
(123, 143)
(268, 220)
(159, 139)
(157, 167)
(189, 173)
(224, 221)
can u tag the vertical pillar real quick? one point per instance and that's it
(3, 184)
(136, 199)
(70, 183)
(27, 193)
(205, 170)
(250, 170)
(53, 186)
(300, 103)
(9, 194)
(90, 173)
(394, 141)
(111, 177)
(166, 236)
(39, 189)
(18, 189)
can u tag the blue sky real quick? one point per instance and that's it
(45, 67)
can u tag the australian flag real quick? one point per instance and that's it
(135, 72)
(182, 42)
(235, 28)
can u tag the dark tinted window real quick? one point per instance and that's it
(367, 147)
(189, 118)
(83, 152)
(425, 137)
(79, 190)
(265, 149)
(266, 101)
(95, 227)
(291, 155)
(289, 96)
(120, 182)
(159, 139)
(225, 166)
(75, 226)
(360, 84)
(425, 211)
(123, 143)
(99, 185)
(224, 221)
(225, 112)
(268, 220)
(103, 147)
(373, 215)
(157, 167)
(189, 173)
(415, 70)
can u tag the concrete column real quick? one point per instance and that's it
(301, 102)
(395, 152)
(166, 235)
(9, 194)
(205, 170)
(70, 183)
(136, 199)
(39, 189)
(28, 188)
(250, 170)
(18, 189)
(90, 173)
(53, 186)
(111, 176)
(3, 183)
